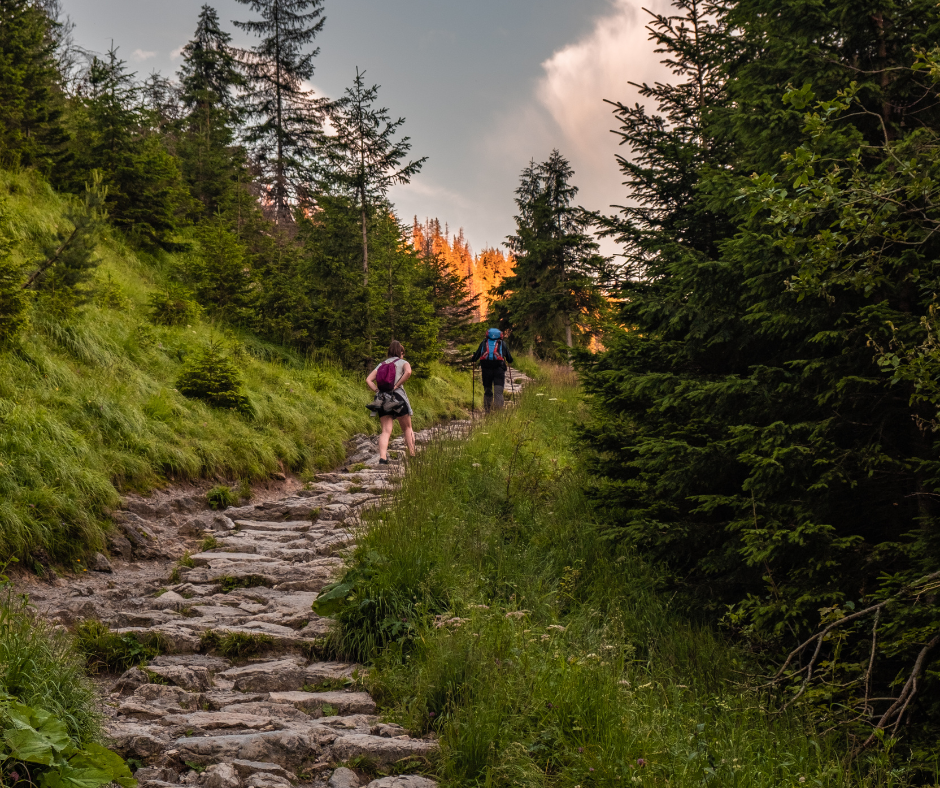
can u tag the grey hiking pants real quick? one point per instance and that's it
(493, 378)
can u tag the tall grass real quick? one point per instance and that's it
(40, 667)
(88, 407)
(543, 656)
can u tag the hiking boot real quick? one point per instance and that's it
(383, 462)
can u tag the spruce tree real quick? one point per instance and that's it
(555, 290)
(365, 160)
(31, 103)
(209, 79)
(747, 434)
(284, 119)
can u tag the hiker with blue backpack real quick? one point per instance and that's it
(494, 358)
(391, 402)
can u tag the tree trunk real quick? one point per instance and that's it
(365, 247)
(568, 340)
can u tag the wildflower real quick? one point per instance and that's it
(539, 395)
(641, 761)
(556, 627)
(517, 614)
(432, 714)
(549, 706)
(802, 779)
(591, 769)
(580, 749)
(553, 399)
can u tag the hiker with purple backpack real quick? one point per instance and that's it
(391, 402)
(494, 358)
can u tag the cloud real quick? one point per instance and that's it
(141, 55)
(177, 53)
(601, 65)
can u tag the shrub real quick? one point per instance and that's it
(173, 307)
(214, 379)
(220, 497)
(107, 651)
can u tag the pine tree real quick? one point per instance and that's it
(555, 290)
(365, 160)
(284, 118)
(222, 276)
(31, 132)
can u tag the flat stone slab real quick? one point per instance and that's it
(281, 675)
(382, 751)
(312, 703)
(213, 558)
(291, 749)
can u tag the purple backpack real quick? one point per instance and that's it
(386, 376)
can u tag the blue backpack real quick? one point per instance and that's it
(494, 345)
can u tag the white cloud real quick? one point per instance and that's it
(579, 77)
(141, 55)
(177, 53)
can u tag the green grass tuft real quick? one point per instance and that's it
(234, 644)
(107, 651)
(228, 584)
(220, 497)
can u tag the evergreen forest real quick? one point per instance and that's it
(197, 271)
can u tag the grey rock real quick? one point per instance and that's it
(129, 681)
(382, 751)
(169, 601)
(220, 720)
(313, 702)
(134, 740)
(319, 672)
(248, 768)
(277, 712)
(267, 781)
(75, 610)
(344, 778)
(100, 563)
(388, 730)
(152, 774)
(221, 775)
(403, 781)
(290, 749)
(194, 678)
(121, 545)
(212, 664)
(276, 676)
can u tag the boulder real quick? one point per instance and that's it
(248, 768)
(267, 781)
(133, 740)
(100, 563)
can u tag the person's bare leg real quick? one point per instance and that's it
(388, 424)
(405, 422)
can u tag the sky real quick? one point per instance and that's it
(485, 86)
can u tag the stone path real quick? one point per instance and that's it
(280, 718)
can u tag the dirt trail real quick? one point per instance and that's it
(280, 718)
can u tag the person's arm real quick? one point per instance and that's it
(405, 375)
(370, 381)
(508, 354)
(476, 356)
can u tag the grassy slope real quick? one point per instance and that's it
(88, 408)
(567, 666)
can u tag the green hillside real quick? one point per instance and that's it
(88, 407)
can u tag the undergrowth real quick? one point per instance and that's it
(89, 405)
(234, 644)
(495, 615)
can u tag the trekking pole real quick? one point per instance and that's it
(512, 386)
(473, 394)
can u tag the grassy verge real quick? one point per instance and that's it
(495, 616)
(88, 406)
